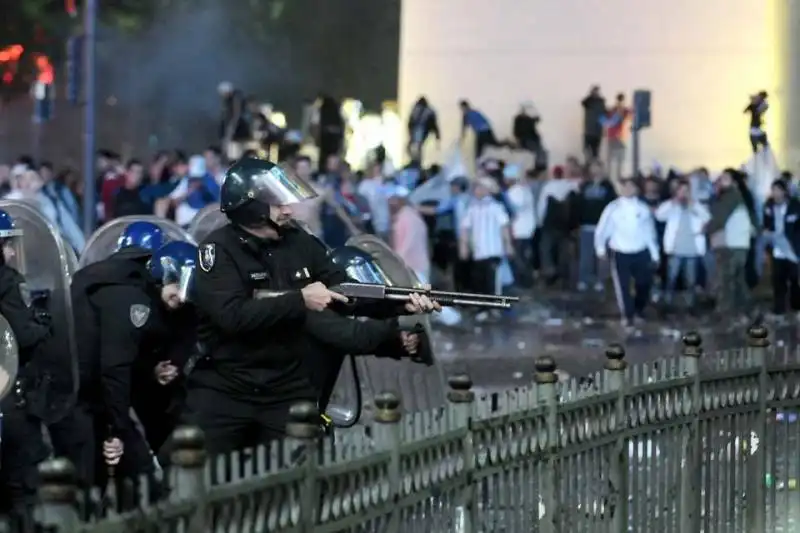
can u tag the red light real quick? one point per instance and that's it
(8, 77)
(70, 7)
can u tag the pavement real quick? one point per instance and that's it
(575, 328)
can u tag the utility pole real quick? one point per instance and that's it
(89, 116)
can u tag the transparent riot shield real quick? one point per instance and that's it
(46, 267)
(103, 242)
(421, 387)
(207, 220)
(9, 358)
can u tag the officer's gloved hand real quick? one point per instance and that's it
(41, 316)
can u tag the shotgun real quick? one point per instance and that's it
(370, 291)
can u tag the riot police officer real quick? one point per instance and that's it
(22, 444)
(259, 278)
(125, 308)
(141, 235)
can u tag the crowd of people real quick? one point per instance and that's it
(505, 228)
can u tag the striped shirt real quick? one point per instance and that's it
(483, 222)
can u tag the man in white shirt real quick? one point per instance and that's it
(184, 213)
(684, 240)
(523, 223)
(373, 190)
(626, 231)
(485, 235)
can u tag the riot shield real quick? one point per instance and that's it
(47, 274)
(72, 258)
(207, 220)
(9, 358)
(103, 242)
(421, 387)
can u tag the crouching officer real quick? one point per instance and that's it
(258, 279)
(22, 443)
(141, 235)
(124, 307)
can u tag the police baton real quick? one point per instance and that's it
(110, 495)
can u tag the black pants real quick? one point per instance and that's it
(523, 262)
(484, 139)
(785, 286)
(22, 449)
(636, 267)
(329, 144)
(484, 275)
(758, 139)
(230, 423)
(462, 275)
(591, 145)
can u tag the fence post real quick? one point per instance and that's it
(691, 444)
(188, 472)
(387, 437)
(461, 402)
(614, 374)
(546, 379)
(57, 507)
(188, 463)
(303, 427)
(758, 344)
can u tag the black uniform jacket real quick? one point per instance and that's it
(121, 324)
(791, 221)
(273, 347)
(28, 329)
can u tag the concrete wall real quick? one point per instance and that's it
(701, 59)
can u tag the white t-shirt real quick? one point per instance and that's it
(484, 221)
(520, 197)
(184, 213)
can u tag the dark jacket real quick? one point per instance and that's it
(594, 108)
(590, 200)
(525, 132)
(424, 120)
(122, 324)
(253, 319)
(129, 202)
(791, 221)
(722, 208)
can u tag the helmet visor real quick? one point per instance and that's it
(364, 271)
(280, 186)
(186, 283)
(180, 275)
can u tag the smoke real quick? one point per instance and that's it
(166, 76)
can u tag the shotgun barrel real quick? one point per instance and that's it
(447, 298)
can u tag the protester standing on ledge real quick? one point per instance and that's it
(479, 124)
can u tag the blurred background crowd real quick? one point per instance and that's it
(496, 215)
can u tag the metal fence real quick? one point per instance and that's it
(690, 444)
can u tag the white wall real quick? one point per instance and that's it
(701, 59)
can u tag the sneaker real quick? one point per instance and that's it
(638, 320)
(599, 287)
(582, 287)
(483, 316)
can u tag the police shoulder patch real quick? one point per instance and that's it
(139, 315)
(208, 254)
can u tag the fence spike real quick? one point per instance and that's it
(460, 389)
(388, 408)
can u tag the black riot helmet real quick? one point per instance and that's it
(252, 185)
(359, 265)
